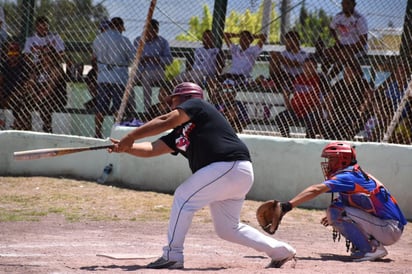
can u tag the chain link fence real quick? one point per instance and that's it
(54, 65)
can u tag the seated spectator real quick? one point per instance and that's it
(222, 89)
(285, 66)
(243, 59)
(345, 104)
(234, 110)
(48, 87)
(162, 107)
(302, 102)
(349, 28)
(42, 40)
(207, 62)
(13, 76)
(385, 102)
(155, 57)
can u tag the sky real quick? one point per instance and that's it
(174, 15)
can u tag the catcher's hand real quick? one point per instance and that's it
(270, 213)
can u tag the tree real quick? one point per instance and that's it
(235, 22)
(313, 25)
(74, 20)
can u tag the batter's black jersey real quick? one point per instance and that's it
(206, 138)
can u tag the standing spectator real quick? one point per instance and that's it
(349, 28)
(222, 175)
(13, 90)
(42, 40)
(155, 57)
(114, 53)
(285, 66)
(91, 77)
(208, 62)
(345, 104)
(304, 100)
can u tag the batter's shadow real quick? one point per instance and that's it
(336, 257)
(112, 267)
(138, 267)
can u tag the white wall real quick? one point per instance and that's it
(282, 166)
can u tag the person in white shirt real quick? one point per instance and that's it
(208, 61)
(42, 40)
(285, 66)
(349, 28)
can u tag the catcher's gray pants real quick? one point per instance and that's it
(223, 186)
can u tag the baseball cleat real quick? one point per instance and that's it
(162, 263)
(280, 263)
(377, 253)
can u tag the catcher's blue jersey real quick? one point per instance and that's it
(361, 190)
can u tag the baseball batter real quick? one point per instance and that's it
(222, 174)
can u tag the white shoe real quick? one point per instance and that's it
(377, 253)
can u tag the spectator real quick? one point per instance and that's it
(243, 56)
(13, 76)
(42, 40)
(155, 57)
(47, 86)
(3, 33)
(222, 89)
(303, 102)
(208, 62)
(349, 29)
(285, 66)
(114, 53)
(345, 104)
(234, 110)
(385, 103)
(162, 107)
(91, 77)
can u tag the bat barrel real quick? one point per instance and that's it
(52, 152)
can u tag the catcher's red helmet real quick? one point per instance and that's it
(338, 156)
(187, 90)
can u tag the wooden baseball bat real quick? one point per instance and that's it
(52, 152)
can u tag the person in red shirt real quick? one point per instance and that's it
(302, 101)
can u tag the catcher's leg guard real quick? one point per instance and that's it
(347, 227)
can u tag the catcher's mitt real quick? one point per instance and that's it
(270, 213)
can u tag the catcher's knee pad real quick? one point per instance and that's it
(335, 213)
(347, 227)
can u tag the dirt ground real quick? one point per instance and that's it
(59, 225)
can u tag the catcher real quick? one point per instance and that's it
(365, 212)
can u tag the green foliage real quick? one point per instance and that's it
(67, 17)
(314, 25)
(235, 22)
(173, 69)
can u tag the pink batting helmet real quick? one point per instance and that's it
(186, 89)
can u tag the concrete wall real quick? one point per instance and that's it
(283, 167)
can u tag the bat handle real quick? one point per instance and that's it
(101, 147)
